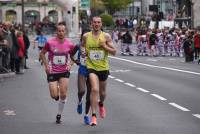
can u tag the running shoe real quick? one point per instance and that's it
(58, 118)
(102, 111)
(93, 121)
(79, 108)
(86, 120)
(57, 98)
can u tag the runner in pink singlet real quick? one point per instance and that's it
(58, 66)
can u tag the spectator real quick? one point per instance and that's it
(152, 42)
(7, 49)
(20, 53)
(197, 45)
(127, 40)
(187, 46)
(14, 50)
(27, 45)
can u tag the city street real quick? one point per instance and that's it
(145, 95)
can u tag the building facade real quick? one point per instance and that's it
(34, 10)
(195, 13)
(40, 11)
(188, 12)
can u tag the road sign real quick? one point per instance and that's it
(85, 4)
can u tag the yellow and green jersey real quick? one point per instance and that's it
(97, 57)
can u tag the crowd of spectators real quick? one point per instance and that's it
(159, 42)
(14, 44)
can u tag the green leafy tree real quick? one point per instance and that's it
(116, 5)
(97, 7)
(107, 20)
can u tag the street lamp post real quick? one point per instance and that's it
(22, 15)
(192, 14)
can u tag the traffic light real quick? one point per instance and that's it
(161, 16)
(153, 8)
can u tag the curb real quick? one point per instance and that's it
(6, 75)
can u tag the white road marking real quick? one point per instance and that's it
(152, 60)
(116, 71)
(112, 77)
(129, 84)
(143, 90)
(9, 112)
(196, 115)
(154, 66)
(172, 59)
(179, 107)
(159, 97)
(119, 80)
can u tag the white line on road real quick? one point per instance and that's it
(172, 59)
(159, 97)
(152, 60)
(143, 90)
(129, 84)
(153, 66)
(179, 107)
(112, 77)
(9, 112)
(119, 80)
(196, 115)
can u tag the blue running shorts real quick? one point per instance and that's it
(83, 71)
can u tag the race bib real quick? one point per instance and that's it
(96, 55)
(59, 60)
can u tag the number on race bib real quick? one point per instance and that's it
(96, 55)
(59, 60)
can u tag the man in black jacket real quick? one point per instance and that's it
(27, 45)
(127, 40)
(187, 46)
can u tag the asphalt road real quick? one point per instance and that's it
(145, 95)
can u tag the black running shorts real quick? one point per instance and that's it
(102, 75)
(57, 76)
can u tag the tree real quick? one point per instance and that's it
(107, 20)
(116, 5)
(97, 7)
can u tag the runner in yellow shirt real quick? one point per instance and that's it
(98, 45)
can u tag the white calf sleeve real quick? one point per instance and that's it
(61, 104)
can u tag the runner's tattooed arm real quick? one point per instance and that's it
(108, 44)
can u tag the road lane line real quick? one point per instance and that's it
(119, 80)
(159, 97)
(9, 112)
(112, 77)
(196, 115)
(129, 84)
(179, 107)
(154, 66)
(143, 90)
